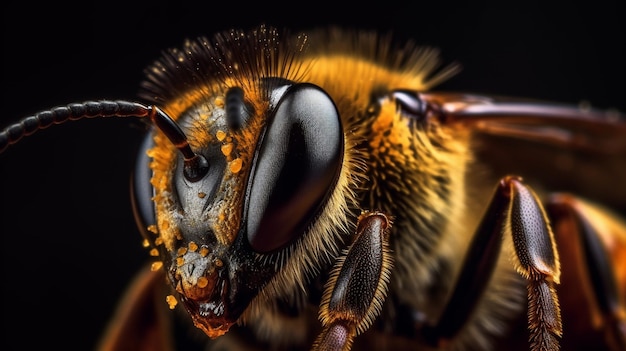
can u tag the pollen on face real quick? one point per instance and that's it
(227, 149)
(202, 282)
(219, 101)
(220, 135)
(235, 165)
(153, 229)
(193, 247)
(154, 252)
(156, 266)
(171, 301)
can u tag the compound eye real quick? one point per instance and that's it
(296, 169)
(142, 191)
(410, 103)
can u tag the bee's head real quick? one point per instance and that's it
(232, 181)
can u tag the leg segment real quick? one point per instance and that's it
(357, 286)
(514, 209)
(538, 263)
(141, 321)
(593, 246)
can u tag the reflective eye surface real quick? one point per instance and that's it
(410, 103)
(142, 191)
(298, 162)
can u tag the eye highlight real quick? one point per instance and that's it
(299, 159)
(410, 104)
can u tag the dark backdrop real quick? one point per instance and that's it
(69, 239)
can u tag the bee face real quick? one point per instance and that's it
(267, 178)
(284, 146)
(272, 183)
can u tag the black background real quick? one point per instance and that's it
(69, 240)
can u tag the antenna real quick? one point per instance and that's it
(196, 166)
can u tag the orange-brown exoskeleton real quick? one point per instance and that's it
(312, 192)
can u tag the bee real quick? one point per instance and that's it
(314, 192)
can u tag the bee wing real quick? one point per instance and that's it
(579, 127)
(140, 321)
(555, 147)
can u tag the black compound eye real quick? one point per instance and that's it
(142, 191)
(296, 168)
(410, 103)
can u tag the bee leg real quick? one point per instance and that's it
(140, 321)
(592, 245)
(514, 209)
(357, 286)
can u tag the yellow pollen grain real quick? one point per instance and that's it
(181, 251)
(165, 225)
(158, 241)
(152, 228)
(145, 243)
(202, 282)
(220, 135)
(154, 252)
(218, 262)
(227, 149)
(219, 101)
(193, 247)
(156, 266)
(202, 195)
(235, 165)
(171, 301)
(180, 261)
(221, 216)
(204, 252)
